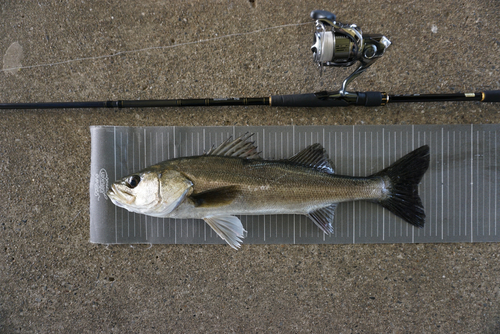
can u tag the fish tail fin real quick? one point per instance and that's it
(404, 176)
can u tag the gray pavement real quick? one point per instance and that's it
(53, 280)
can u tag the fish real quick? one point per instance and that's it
(232, 179)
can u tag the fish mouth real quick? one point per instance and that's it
(113, 195)
(113, 192)
(118, 196)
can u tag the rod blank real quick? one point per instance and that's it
(322, 99)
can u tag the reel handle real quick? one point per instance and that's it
(323, 15)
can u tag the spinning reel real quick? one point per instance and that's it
(342, 45)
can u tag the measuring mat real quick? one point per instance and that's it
(460, 191)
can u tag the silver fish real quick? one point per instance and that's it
(232, 180)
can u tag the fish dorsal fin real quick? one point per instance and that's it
(215, 197)
(324, 218)
(240, 148)
(313, 156)
(228, 228)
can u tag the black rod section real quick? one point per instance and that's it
(320, 99)
(436, 97)
(243, 101)
(56, 105)
(140, 103)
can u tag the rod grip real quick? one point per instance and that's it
(322, 99)
(491, 96)
(371, 99)
(305, 100)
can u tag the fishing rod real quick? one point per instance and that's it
(335, 44)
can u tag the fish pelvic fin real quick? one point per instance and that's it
(313, 156)
(229, 228)
(323, 218)
(403, 178)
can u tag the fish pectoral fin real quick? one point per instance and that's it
(323, 218)
(229, 228)
(215, 197)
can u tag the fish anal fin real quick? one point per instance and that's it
(313, 156)
(323, 217)
(229, 228)
(215, 197)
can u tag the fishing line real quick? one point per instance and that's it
(154, 47)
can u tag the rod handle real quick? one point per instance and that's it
(322, 99)
(491, 96)
(305, 100)
(372, 99)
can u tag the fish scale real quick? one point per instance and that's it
(282, 183)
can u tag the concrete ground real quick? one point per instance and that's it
(53, 280)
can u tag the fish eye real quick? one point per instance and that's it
(133, 181)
